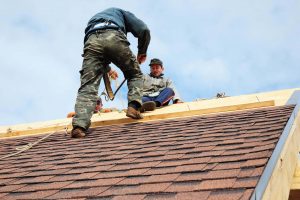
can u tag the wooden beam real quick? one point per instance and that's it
(169, 115)
(296, 178)
(159, 115)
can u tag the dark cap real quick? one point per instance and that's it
(156, 61)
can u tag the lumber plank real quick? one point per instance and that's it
(173, 111)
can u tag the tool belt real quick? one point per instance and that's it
(104, 25)
(108, 89)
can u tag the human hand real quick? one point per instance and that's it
(141, 58)
(71, 114)
(178, 101)
(113, 74)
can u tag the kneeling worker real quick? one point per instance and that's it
(158, 90)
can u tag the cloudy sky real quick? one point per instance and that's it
(236, 47)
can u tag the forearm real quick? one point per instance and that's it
(143, 42)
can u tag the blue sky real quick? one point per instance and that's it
(236, 47)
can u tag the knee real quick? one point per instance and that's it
(169, 91)
(145, 99)
(88, 91)
(133, 73)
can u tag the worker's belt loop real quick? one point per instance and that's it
(97, 33)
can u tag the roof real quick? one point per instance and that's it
(216, 156)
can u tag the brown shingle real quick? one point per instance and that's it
(75, 193)
(32, 179)
(6, 181)
(216, 184)
(126, 166)
(122, 173)
(131, 197)
(246, 172)
(229, 165)
(192, 176)
(46, 172)
(90, 169)
(10, 188)
(210, 166)
(134, 180)
(176, 162)
(135, 165)
(189, 168)
(120, 190)
(192, 195)
(258, 171)
(256, 155)
(155, 187)
(161, 178)
(30, 195)
(255, 163)
(44, 186)
(221, 174)
(70, 177)
(183, 186)
(226, 195)
(246, 182)
(211, 153)
(199, 160)
(161, 170)
(41, 167)
(227, 147)
(4, 171)
(12, 175)
(160, 196)
(222, 159)
(3, 194)
(93, 183)
(69, 166)
(247, 194)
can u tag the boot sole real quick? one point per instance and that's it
(133, 116)
(77, 134)
(148, 106)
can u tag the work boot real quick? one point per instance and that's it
(133, 113)
(78, 132)
(148, 106)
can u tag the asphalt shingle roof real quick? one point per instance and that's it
(218, 156)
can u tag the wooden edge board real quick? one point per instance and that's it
(221, 109)
(281, 180)
(296, 177)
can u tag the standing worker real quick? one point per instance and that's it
(105, 42)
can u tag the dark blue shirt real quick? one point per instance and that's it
(126, 21)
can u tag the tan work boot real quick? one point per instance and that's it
(148, 106)
(133, 113)
(78, 132)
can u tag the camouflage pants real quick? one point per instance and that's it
(102, 48)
